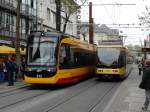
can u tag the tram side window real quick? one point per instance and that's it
(122, 59)
(71, 57)
(68, 57)
(83, 58)
(64, 56)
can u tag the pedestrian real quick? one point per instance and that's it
(140, 66)
(22, 67)
(1, 71)
(10, 71)
(15, 67)
(145, 84)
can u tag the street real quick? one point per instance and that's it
(91, 95)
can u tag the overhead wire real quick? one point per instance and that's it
(107, 12)
(119, 4)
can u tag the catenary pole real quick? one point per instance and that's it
(90, 24)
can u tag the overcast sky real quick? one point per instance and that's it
(124, 14)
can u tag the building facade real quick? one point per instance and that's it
(100, 33)
(147, 41)
(47, 17)
(8, 20)
(35, 15)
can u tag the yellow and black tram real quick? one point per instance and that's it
(54, 58)
(112, 61)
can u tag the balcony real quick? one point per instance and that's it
(4, 4)
(26, 11)
(10, 31)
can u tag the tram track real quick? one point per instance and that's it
(14, 91)
(58, 102)
(91, 107)
(62, 102)
(99, 100)
(24, 99)
(23, 90)
(53, 100)
(69, 98)
(18, 90)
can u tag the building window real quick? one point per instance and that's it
(7, 22)
(53, 17)
(32, 4)
(0, 17)
(48, 14)
(1, 27)
(69, 25)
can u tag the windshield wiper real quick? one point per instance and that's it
(37, 53)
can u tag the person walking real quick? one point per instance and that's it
(140, 67)
(1, 72)
(145, 84)
(10, 71)
(15, 67)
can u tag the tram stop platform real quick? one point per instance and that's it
(129, 97)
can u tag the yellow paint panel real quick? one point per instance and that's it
(32, 80)
(65, 73)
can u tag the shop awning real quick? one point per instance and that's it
(9, 50)
(6, 50)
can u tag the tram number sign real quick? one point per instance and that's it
(39, 75)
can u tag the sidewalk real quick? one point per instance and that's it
(128, 98)
(5, 88)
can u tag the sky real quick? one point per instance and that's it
(125, 15)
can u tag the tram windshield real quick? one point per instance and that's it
(108, 56)
(41, 51)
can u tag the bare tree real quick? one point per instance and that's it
(72, 8)
(145, 16)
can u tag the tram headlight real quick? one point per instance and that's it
(42, 34)
(51, 70)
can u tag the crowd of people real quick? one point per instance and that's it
(9, 69)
